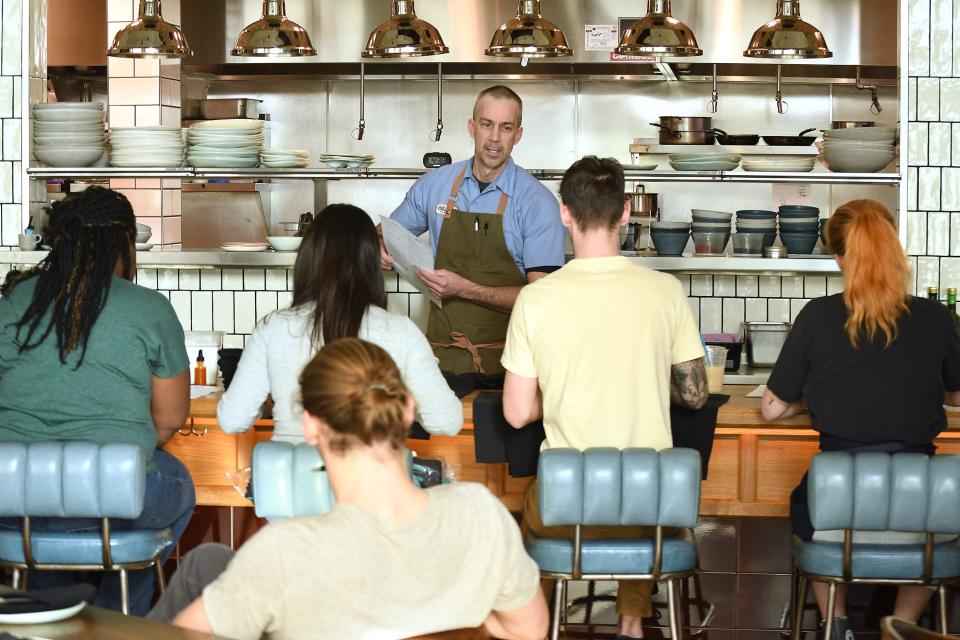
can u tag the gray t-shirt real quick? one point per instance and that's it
(107, 399)
(348, 575)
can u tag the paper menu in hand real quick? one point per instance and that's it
(409, 254)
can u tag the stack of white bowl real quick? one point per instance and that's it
(859, 150)
(68, 134)
(146, 147)
(285, 158)
(229, 144)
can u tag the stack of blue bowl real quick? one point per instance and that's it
(711, 230)
(760, 222)
(669, 238)
(799, 227)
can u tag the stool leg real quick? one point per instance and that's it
(676, 616)
(831, 602)
(942, 592)
(557, 600)
(161, 580)
(798, 606)
(124, 593)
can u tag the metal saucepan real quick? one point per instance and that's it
(643, 204)
(851, 124)
(791, 141)
(685, 130)
(725, 138)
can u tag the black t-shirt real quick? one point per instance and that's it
(871, 394)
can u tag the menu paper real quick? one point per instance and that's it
(409, 254)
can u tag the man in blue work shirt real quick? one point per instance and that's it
(493, 229)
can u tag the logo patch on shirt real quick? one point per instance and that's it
(442, 210)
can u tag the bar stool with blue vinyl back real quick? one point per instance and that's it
(632, 487)
(880, 492)
(76, 480)
(288, 481)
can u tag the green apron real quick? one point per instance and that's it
(468, 337)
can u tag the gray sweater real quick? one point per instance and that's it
(280, 348)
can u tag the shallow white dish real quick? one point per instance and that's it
(234, 124)
(704, 166)
(286, 164)
(50, 128)
(147, 162)
(223, 163)
(144, 246)
(287, 152)
(42, 617)
(649, 166)
(244, 246)
(41, 106)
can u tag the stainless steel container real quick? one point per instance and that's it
(643, 204)
(851, 124)
(685, 130)
(228, 108)
(764, 341)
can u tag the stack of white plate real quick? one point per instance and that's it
(344, 161)
(859, 150)
(228, 144)
(146, 147)
(285, 158)
(68, 134)
(704, 161)
(780, 164)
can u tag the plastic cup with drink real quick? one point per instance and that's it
(716, 362)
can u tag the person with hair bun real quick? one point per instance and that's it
(390, 560)
(338, 292)
(86, 354)
(873, 364)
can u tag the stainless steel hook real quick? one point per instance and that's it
(357, 134)
(714, 96)
(782, 105)
(875, 107)
(439, 130)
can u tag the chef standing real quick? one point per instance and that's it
(493, 229)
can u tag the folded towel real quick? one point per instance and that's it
(14, 602)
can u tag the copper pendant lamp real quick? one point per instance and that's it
(150, 36)
(788, 36)
(529, 35)
(273, 35)
(659, 34)
(404, 35)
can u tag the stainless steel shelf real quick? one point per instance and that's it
(377, 173)
(216, 259)
(821, 264)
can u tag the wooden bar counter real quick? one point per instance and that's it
(753, 468)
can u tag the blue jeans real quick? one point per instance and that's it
(168, 502)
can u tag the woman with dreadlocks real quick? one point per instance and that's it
(85, 354)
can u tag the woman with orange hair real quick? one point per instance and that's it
(874, 365)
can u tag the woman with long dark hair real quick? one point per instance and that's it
(338, 292)
(874, 365)
(390, 560)
(85, 354)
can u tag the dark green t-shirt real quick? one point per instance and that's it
(106, 399)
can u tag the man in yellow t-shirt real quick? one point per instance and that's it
(599, 349)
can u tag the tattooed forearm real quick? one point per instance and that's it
(688, 384)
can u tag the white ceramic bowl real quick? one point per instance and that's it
(756, 225)
(68, 115)
(862, 133)
(42, 106)
(69, 139)
(285, 243)
(143, 236)
(68, 157)
(67, 127)
(856, 160)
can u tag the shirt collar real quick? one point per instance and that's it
(504, 181)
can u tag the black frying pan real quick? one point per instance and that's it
(725, 138)
(791, 141)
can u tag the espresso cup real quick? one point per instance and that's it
(29, 242)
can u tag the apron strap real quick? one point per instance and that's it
(462, 341)
(503, 204)
(452, 202)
